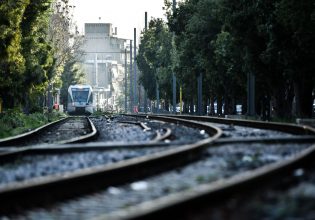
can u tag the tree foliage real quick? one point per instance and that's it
(228, 39)
(12, 62)
(37, 40)
(154, 60)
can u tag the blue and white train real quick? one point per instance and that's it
(80, 99)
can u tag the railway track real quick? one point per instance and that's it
(116, 178)
(67, 130)
(19, 193)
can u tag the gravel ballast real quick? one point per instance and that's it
(218, 163)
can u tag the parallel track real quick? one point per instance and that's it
(178, 205)
(59, 187)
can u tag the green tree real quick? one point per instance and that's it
(64, 35)
(228, 70)
(154, 59)
(37, 50)
(196, 24)
(296, 20)
(277, 47)
(12, 62)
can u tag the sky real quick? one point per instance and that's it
(123, 14)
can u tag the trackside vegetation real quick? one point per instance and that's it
(14, 122)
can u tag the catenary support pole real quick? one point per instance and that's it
(145, 92)
(199, 79)
(180, 100)
(130, 77)
(126, 108)
(135, 100)
(157, 98)
(173, 75)
(251, 94)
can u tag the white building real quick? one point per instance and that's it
(104, 62)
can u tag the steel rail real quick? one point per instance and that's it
(183, 205)
(158, 136)
(12, 153)
(284, 127)
(62, 186)
(82, 138)
(165, 135)
(16, 140)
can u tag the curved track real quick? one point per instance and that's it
(49, 188)
(66, 186)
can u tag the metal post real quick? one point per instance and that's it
(199, 81)
(96, 72)
(174, 93)
(157, 98)
(251, 94)
(126, 81)
(130, 75)
(173, 75)
(180, 100)
(135, 68)
(145, 92)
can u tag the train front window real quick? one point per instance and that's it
(80, 96)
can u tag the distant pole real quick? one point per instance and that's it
(130, 75)
(126, 81)
(180, 100)
(199, 79)
(135, 68)
(96, 72)
(251, 94)
(174, 93)
(145, 92)
(173, 75)
(157, 98)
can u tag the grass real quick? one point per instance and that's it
(14, 122)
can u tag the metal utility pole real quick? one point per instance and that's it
(173, 75)
(130, 75)
(180, 100)
(199, 82)
(135, 69)
(251, 94)
(126, 81)
(157, 98)
(145, 92)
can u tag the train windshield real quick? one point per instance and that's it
(80, 95)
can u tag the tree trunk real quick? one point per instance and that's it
(26, 108)
(186, 107)
(283, 102)
(219, 105)
(303, 98)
